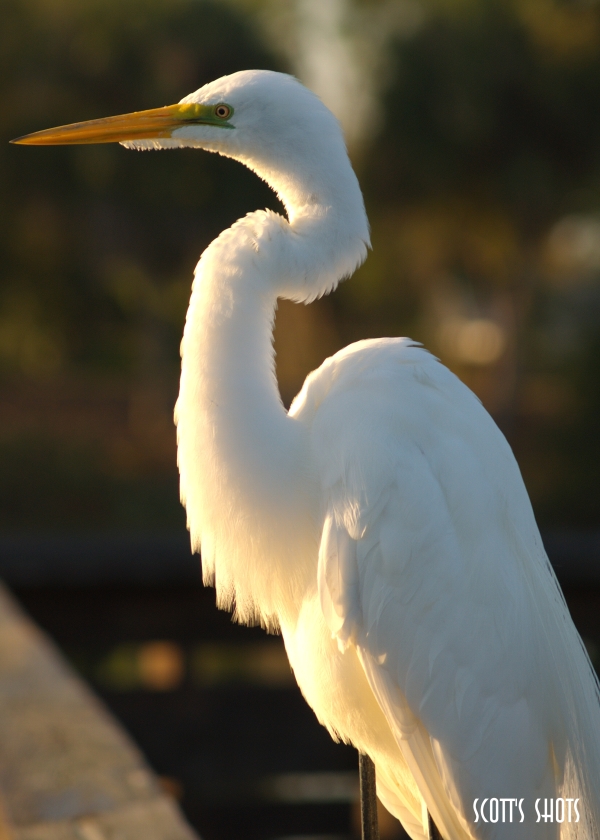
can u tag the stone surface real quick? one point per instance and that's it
(67, 771)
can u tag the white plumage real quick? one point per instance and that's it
(382, 524)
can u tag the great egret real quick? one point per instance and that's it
(381, 524)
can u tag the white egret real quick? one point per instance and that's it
(381, 524)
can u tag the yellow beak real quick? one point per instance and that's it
(139, 125)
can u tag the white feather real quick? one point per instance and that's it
(382, 525)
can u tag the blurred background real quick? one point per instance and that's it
(474, 127)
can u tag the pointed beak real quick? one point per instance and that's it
(139, 125)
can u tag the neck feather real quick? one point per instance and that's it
(243, 461)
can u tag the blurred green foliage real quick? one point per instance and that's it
(483, 189)
(98, 247)
(95, 238)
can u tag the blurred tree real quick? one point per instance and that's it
(98, 247)
(483, 187)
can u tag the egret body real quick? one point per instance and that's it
(381, 525)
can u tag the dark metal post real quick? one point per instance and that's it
(434, 834)
(368, 798)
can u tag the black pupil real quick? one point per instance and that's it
(222, 111)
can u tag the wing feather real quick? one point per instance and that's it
(431, 565)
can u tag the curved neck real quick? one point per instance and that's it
(327, 236)
(244, 462)
(239, 453)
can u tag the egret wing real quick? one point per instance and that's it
(428, 561)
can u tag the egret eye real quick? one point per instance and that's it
(222, 111)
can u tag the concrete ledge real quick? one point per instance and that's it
(67, 771)
(155, 819)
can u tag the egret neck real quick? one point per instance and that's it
(232, 425)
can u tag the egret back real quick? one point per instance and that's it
(431, 564)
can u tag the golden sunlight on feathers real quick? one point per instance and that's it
(381, 525)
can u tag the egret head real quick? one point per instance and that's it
(283, 132)
(267, 120)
